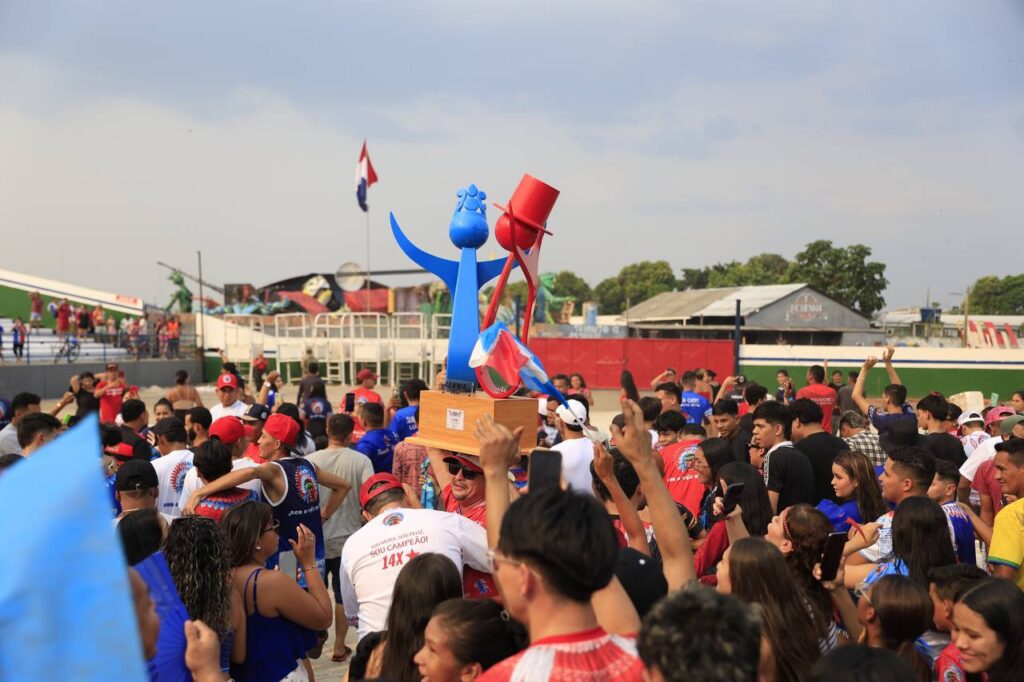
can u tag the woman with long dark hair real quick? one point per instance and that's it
(577, 386)
(628, 386)
(856, 486)
(755, 512)
(920, 542)
(711, 455)
(800, 533)
(279, 614)
(426, 581)
(988, 630)
(465, 637)
(755, 571)
(196, 553)
(895, 611)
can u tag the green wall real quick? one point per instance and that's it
(15, 303)
(919, 381)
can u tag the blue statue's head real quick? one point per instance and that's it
(469, 223)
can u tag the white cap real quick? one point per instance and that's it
(542, 407)
(577, 415)
(969, 417)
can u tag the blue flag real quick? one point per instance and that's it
(66, 610)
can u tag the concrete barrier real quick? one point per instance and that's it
(49, 381)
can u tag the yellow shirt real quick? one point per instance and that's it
(1007, 547)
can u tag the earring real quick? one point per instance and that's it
(257, 546)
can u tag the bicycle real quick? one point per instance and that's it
(69, 349)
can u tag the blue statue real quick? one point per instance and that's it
(464, 277)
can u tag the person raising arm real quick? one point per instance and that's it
(634, 443)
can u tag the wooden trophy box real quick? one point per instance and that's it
(448, 420)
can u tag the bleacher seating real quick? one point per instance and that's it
(42, 346)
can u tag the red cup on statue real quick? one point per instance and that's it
(529, 208)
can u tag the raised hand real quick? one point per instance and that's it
(870, 362)
(633, 441)
(604, 464)
(499, 447)
(305, 548)
(890, 350)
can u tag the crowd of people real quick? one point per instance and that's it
(149, 335)
(708, 532)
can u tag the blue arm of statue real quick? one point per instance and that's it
(489, 269)
(446, 270)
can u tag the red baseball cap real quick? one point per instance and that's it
(365, 374)
(387, 482)
(228, 380)
(471, 461)
(282, 427)
(229, 430)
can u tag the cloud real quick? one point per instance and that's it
(674, 131)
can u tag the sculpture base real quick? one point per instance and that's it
(448, 421)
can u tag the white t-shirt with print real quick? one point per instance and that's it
(375, 554)
(170, 474)
(985, 451)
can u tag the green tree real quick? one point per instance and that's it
(634, 283)
(843, 273)
(765, 268)
(609, 296)
(571, 285)
(640, 281)
(998, 296)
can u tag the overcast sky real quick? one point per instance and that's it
(132, 132)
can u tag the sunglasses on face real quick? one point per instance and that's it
(226, 389)
(469, 474)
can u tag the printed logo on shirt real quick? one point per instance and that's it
(178, 475)
(481, 586)
(306, 485)
(686, 457)
(393, 519)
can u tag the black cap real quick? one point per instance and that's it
(166, 426)
(642, 578)
(256, 412)
(135, 474)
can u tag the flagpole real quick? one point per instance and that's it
(367, 258)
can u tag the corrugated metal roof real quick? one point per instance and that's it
(695, 303)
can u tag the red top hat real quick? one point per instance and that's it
(530, 206)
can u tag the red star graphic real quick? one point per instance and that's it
(412, 554)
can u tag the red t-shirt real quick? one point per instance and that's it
(63, 314)
(253, 452)
(475, 584)
(110, 402)
(365, 395)
(591, 655)
(985, 482)
(948, 665)
(681, 478)
(825, 397)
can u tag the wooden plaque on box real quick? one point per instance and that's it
(448, 420)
